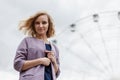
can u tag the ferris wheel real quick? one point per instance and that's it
(90, 47)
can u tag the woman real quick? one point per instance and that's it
(36, 57)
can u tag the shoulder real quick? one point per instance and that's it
(55, 46)
(27, 39)
(56, 49)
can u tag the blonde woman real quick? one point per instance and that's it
(36, 57)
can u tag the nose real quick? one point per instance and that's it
(40, 25)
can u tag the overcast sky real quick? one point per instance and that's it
(64, 13)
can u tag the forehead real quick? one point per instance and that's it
(42, 18)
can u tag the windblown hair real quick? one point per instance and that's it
(28, 25)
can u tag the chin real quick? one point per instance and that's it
(41, 33)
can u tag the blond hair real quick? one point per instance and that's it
(28, 25)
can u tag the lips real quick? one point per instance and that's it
(40, 29)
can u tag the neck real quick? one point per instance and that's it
(42, 37)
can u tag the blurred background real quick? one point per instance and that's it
(87, 34)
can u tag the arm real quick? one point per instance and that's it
(55, 66)
(50, 55)
(20, 61)
(54, 60)
(57, 60)
(31, 63)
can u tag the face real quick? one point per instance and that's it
(41, 25)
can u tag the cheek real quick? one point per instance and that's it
(47, 28)
(35, 28)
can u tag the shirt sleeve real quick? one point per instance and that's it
(21, 55)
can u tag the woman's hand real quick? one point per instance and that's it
(51, 56)
(45, 61)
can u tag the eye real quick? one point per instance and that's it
(37, 23)
(44, 22)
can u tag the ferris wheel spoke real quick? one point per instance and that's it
(92, 50)
(81, 58)
(105, 47)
